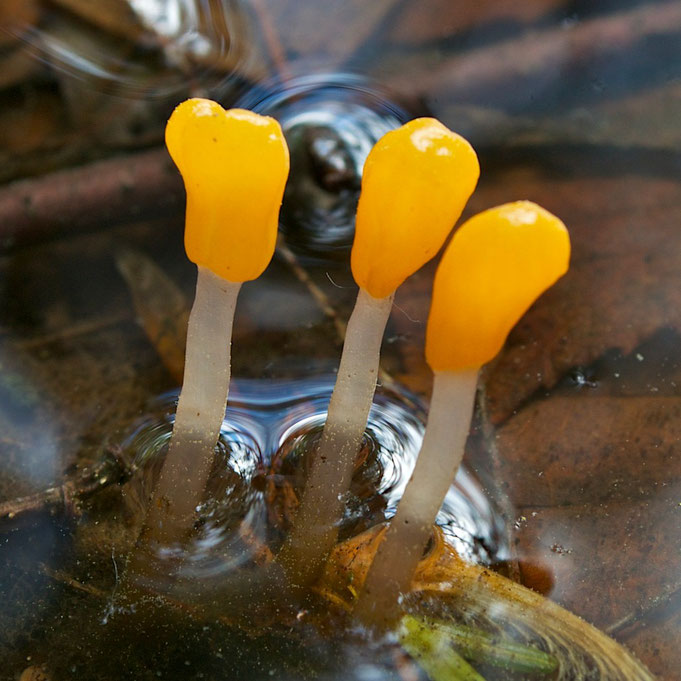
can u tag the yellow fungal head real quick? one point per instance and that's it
(234, 164)
(417, 180)
(496, 265)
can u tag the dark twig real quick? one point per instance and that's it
(114, 191)
(537, 51)
(276, 51)
(66, 498)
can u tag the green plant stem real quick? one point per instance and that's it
(478, 646)
(432, 650)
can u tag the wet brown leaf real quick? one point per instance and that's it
(623, 285)
(656, 641)
(627, 553)
(567, 450)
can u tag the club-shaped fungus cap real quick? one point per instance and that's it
(416, 181)
(234, 165)
(496, 265)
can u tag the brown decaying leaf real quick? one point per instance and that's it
(623, 285)
(629, 552)
(657, 642)
(34, 673)
(162, 309)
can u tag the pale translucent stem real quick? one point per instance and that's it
(449, 421)
(200, 411)
(315, 526)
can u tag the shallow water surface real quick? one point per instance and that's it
(571, 484)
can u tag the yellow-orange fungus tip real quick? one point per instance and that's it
(416, 181)
(234, 164)
(496, 265)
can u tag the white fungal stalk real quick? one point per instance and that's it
(449, 421)
(321, 507)
(200, 410)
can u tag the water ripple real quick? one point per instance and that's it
(269, 429)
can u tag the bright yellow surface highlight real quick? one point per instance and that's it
(416, 182)
(234, 164)
(496, 265)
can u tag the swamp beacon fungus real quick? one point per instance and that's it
(234, 165)
(496, 265)
(415, 184)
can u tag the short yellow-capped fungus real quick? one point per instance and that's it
(496, 265)
(234, 164)
(416, 181)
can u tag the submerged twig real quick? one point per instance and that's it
(66, 497)
(315, 291)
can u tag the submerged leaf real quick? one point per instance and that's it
(472, 593)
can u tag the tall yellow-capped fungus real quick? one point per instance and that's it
(496, 265)
(234, 165)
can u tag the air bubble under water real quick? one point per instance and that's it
(330, 122)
